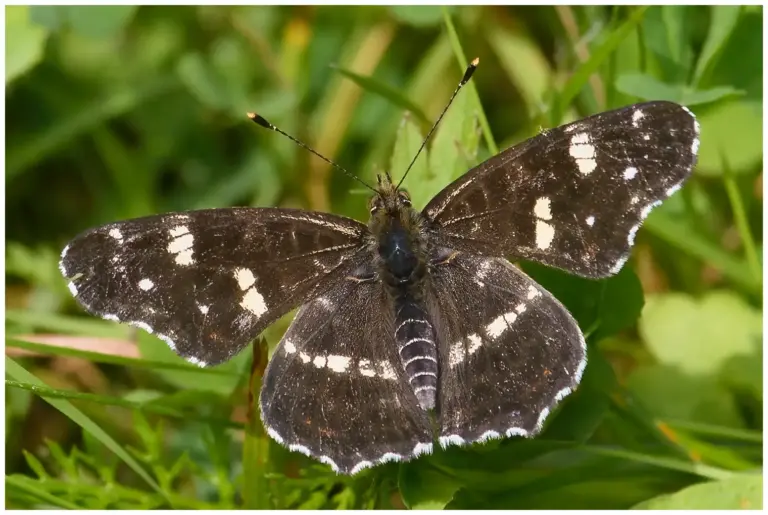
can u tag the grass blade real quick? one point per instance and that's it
(18, 372)
(580, 77)
(98, 357)
(682, 237)
(386, 91)
(698, 469)
(742, 224)
(22, 484)
(54, 393)
(459, 51)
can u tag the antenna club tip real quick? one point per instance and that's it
(259, 120)
(475, 61)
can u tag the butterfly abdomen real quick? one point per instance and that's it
(416, 345)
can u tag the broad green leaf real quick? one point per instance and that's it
(424, 487)
(606, 306)
(722, 21)
(731, 131)
(24, 42)
(699, 335)
(583, 411)
(668, 392)
(646, 87)
(744, 492)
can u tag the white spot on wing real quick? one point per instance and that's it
(319, 361)
(365, 368)
(630, 173)
(116, 234)
(289, 347)
(245, 278)
(590, 220)
(545, 233)
(671, 191)
(185, 258)
(146, 284)
(181, 243)
(254, 302)
(113, 318)
(338, 363)
(304, 357)
(542, 209)
(387, 371)
(72, 288)
(475, 343)
(203, 308)
(500, 324)
(533, 292)
(583, 152)
(636, 117)
(178, 231)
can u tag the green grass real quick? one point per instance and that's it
(115, 112)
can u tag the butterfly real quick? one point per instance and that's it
(413, 328)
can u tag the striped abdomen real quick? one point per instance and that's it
(416, 343)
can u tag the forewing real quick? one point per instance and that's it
(208, 282)
(509, 351)
(335, 389)
(572, 197)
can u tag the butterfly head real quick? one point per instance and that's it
(389, 198)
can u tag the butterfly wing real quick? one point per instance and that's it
(335, 388)
(208, 282)
(509, 351)
(572, 197)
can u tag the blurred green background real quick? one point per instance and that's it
(117, 111)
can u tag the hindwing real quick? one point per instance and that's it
(509, 351)
(335, 388)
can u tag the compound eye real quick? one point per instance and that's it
(405, 198)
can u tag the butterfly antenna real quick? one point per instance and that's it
(467, 75)
(260, 120)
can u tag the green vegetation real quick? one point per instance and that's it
(117, 112)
